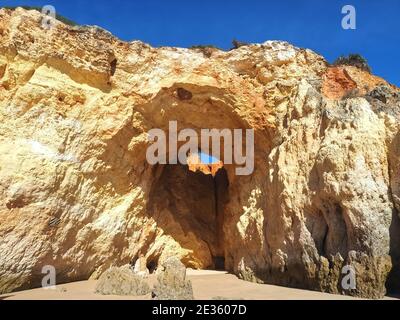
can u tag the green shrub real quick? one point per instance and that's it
(355, 60)
(204, 46)
(207, 50)
(237, 44)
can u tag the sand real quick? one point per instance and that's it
(206, 285)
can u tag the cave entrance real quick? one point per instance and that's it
(195, 198)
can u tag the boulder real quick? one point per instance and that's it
(172, 283)
(121, 281)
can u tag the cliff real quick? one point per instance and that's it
(76, 191)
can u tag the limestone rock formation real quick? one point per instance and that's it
(123, 282)
(172, 283)
(140, 267)
(76, 106)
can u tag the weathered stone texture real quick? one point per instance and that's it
(76, 191)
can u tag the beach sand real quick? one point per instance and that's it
(206, 285)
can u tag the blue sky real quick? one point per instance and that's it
(207, 159)
(313, 24)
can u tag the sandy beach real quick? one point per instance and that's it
(206, 285)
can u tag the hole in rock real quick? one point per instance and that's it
(113, 66)
(184, 94)
(151, 266)
(188, 202)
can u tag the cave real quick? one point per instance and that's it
(195, 202)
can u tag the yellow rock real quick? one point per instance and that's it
(77, 192)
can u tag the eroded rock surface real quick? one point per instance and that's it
(172, 283)
(77, 193)
(140, 267)
(123, 282)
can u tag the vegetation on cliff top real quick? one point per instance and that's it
(355, 60)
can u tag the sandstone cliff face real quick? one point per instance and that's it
(77, 193)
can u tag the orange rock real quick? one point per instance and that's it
(195, 164)
(342, 80)
(337, 83)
